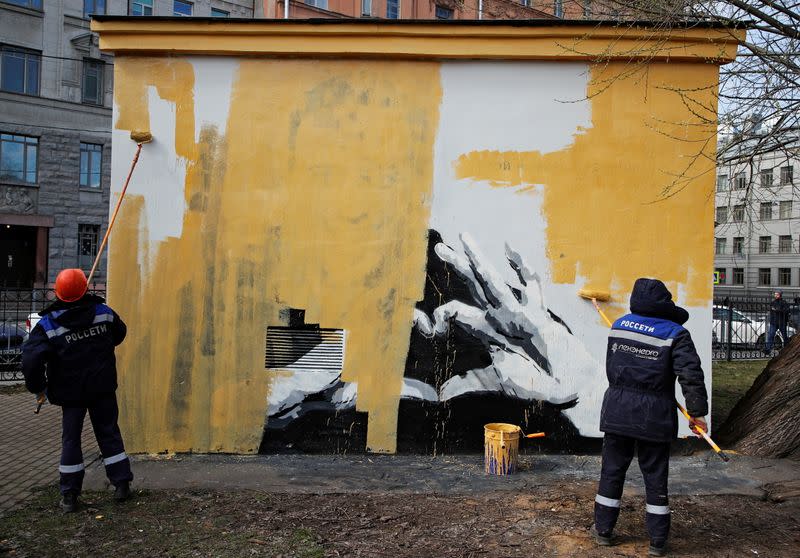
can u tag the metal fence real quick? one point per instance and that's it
(19, 313)
(741, 326)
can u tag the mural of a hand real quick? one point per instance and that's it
(534, 356)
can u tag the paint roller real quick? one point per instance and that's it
(605, 296)
(140, 137)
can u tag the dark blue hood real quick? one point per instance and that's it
(650, 297)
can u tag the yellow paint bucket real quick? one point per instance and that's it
(501, 445)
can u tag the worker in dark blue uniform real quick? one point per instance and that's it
(70, 356)
(647, 351)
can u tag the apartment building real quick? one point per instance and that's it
(757, 232)
(55, 122)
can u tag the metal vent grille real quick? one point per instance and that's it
(305, 348)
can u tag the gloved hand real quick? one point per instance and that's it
(698, 421)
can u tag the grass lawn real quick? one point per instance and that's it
(731, 380)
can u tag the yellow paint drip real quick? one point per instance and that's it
(316, 198)
(612, 211)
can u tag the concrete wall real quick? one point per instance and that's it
(403, 240)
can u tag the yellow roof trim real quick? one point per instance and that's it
(422, 41)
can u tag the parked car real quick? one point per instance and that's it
(746, 331)
(12, 336)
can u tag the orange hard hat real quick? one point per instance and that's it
(71, 285)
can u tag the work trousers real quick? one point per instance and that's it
(104, 414)
(654, 463)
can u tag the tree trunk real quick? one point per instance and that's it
(766, 421)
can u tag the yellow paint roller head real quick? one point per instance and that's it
(140, 136)
(602, 296)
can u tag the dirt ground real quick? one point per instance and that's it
(546, 521)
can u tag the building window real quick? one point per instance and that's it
(216, 12)
(766, 178)
(18, 158)
(719, 245)
(87, 245)
(141, 8)
(722, 215)
(91, 165)
(19, 70)
(93, 7)
(93, 82)
(738, 213)
(318, 3)
(443, 13)
(587, 9)
(181, 8)
(785, 244)
(722, 182)
(785, 210)
(765, 212)
(787, 175)
(740, 181)
(558, 8)
(366, 7)
(738, 276)
(764, 276)
(738, 245)
(721, 278)
(392, 9)
(33, 4)
(764, 244)
(784, 276)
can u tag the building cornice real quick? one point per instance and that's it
(426, 40)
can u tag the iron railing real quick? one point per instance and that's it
(18, 313)
(741, 325)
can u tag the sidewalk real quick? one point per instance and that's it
(30, 446)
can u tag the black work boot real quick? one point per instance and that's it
(657, 550)
(69, 502)
(122, 491)
(603, 539)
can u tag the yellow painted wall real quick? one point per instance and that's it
(317, 197)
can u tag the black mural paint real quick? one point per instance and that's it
(428, 427)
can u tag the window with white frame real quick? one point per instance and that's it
(740, 181)
(392, 9)
(764, 276)
(720, 245)
(216, 12)
(558, 8)
(93, 81)
(738, 276)
(764, 244)
(20, 69)
(787, 175)
(141, 8)
(722, 215)
(785, 244)
(366, 7)
(181, 8)
(738, 213)
(18, 158)
(784, 276)
(766, 178)
(91, 165)
(721, 275)
(785, 209)
(738, 245)
(318, 3)
(765, 211)
(722, 182)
